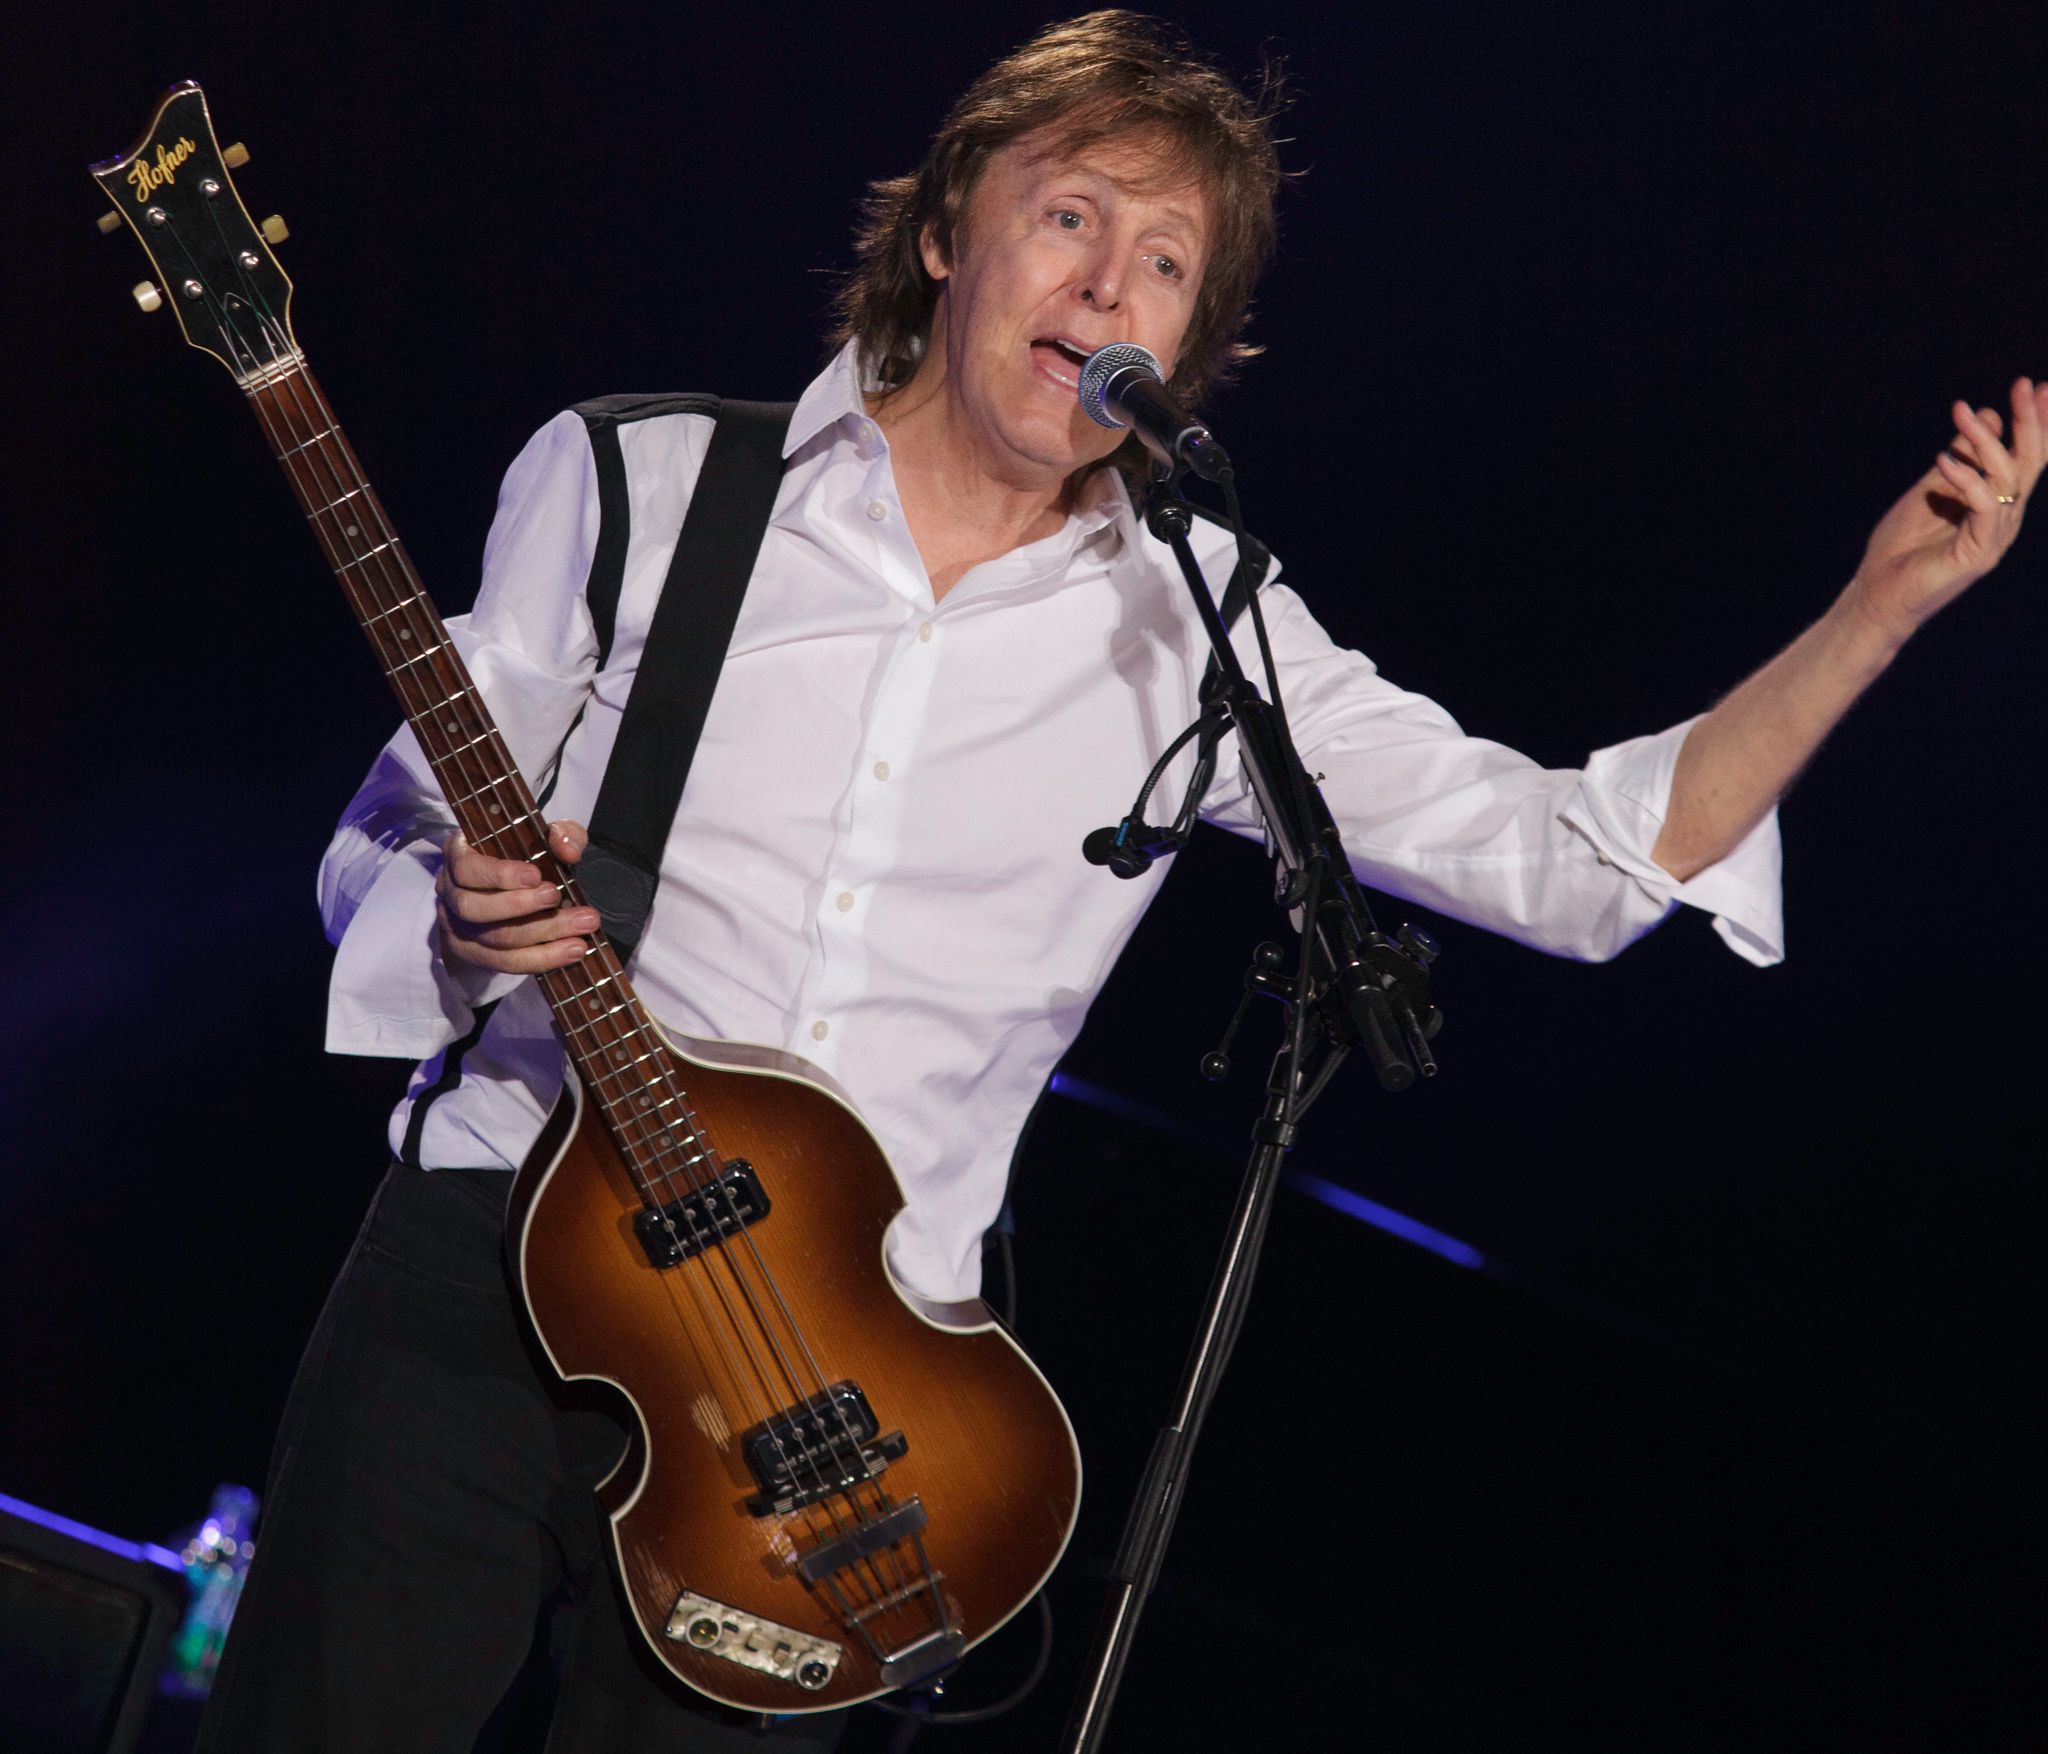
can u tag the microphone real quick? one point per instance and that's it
(1129, 848)
(1122, 386)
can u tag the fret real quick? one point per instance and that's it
(417, 658)
(371, 554)
(488, 786)
(435, 706)
(619, 1068)
(672, 1152)
(315, 511)
(464, 749)
(485, 838)
(669, 1172)
(324, 432)
(599, 1017)
(402, 603)
(612, 1074)
(603, 1026)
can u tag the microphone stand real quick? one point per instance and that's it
(1351, 986)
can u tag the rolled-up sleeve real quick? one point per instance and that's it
(1620, 806)
(1557, 858)
(531, 651)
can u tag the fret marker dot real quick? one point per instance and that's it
(352, 530)
(405, 633)
(494, 810)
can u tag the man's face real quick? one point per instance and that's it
(1062, 252)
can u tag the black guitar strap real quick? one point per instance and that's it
(678, 674)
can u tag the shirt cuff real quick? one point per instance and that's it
(391, 992)
(1620, 806)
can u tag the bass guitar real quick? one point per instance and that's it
(834, 1488)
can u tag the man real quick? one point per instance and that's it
(955, 614)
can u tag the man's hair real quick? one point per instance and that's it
(1089, 79)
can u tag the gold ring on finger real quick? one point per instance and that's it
(2008, 499)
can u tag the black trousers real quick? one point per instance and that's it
(429, 1513)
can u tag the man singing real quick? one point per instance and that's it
(955, 614)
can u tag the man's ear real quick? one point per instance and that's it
(936, 263)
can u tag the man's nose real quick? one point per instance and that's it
(1102, 286)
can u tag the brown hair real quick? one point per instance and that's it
(1088, 79)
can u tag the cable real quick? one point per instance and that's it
(979, 1714)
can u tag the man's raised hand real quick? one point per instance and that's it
(501, 914)
(1956, 522)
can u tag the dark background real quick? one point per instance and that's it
(1638, 318)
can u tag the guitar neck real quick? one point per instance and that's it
(489, 797)
(608, 1034)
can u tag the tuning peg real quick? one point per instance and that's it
(235, 156)
(147, 296)
(274, 229)
(109, 222)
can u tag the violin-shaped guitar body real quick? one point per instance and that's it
(941, 1480)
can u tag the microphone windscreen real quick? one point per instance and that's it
(1104, 364)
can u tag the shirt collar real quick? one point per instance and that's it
(838, 396)
(833, 395)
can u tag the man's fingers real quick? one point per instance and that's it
(483, 907)
(519, 934)
(474, 870)
(1991, 456)
(2029, 410)
(566, 839)
(1967, 484)
(513, 959)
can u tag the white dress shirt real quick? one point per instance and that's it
(876, 864)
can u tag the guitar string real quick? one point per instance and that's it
(401, 601)
(405, 604)
(405, 600)
(408, 604)
(429, 651)
(718, 1189)
(408, 599)
(461, 759)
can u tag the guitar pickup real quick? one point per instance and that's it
(826, 1444)
(721, 1208)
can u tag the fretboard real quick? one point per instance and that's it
(624, 1063)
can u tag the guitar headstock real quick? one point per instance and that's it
(213, 262)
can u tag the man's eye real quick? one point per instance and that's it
(1167, 266)
(1067, 219)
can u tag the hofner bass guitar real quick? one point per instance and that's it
(834, 1489)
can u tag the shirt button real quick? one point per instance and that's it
(820, 1030)
(843, 901)
(924, 633)
(877, 510)
(881, 770)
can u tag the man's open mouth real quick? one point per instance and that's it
(1060, 358)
